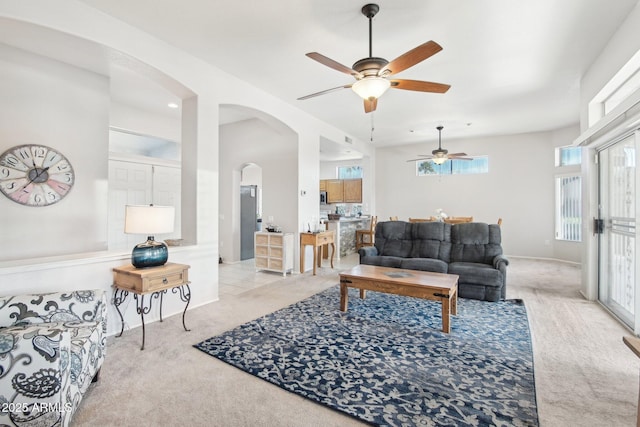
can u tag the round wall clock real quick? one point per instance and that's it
(35, 175)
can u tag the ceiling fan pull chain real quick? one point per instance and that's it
(372, 127)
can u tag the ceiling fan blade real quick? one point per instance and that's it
(460, 158)
(457, 154)
(411, 58)
(333, 64)
(420, 159)
(324, 91)
(420, 86)
(370, 105)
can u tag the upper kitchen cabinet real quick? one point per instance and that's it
(323, 185)
(352, 189)
(335, 191)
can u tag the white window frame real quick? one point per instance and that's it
(565, 231)
(438, 167)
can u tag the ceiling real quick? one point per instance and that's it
(514, 66)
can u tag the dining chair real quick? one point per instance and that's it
(393, 218)
(430, 219)
(458, 219)
(366, 237)
(499, 221)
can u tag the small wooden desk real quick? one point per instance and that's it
(317, 240)
(153, 281)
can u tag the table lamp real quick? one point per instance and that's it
(149, 220)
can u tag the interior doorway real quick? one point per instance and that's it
(250, 208)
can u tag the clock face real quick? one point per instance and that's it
(35, 175)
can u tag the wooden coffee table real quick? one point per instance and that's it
(411, 283)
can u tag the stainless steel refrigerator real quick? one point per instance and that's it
(248, 219)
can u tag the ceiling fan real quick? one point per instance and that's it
(372, 73)
(441, 155)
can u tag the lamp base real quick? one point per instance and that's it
(149, 254)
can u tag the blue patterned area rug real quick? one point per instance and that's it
(386, 361)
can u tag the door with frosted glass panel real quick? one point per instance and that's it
(618, 248)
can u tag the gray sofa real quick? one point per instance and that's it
(471, 250)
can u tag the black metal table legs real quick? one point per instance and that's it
(120, 295)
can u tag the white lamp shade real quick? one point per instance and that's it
(371, 87)
(149, 219)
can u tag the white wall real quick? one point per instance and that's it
(126, 117)
(621, 47)
(519, 188)
(87, 136)
(329, 170)
(66, 108)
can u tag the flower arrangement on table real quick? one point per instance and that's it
(441, 215)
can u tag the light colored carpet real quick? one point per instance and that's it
(585, 375)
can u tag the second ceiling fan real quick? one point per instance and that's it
(440, 155)
(372, 73)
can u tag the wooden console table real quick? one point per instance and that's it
(317, 240)
(154, 281)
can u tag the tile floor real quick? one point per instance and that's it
(237, 278)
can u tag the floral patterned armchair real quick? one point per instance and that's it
(51, 349)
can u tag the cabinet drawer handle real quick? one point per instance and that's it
(165, 281)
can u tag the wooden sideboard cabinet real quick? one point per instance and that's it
(274, 252)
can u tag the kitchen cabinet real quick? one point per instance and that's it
(342, 190)
(352, 190)
(335, 191)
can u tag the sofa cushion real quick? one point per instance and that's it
(424, 264)
(475, 242)
(86, 350)
(431, 240)
(393, 238)
(473, 273)
(382, 261)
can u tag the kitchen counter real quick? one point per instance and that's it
(345, 229)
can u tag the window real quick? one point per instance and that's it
(568, 208)
(567, 156)
(478, 164)
(620, 88)
(349, 172)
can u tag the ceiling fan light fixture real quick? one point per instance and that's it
(440, 160)
(371, 87)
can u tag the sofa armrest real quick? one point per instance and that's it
(368, 251)
(500, 262)
(75, 306)
(34, 377)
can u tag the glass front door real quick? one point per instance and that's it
(618, 248)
